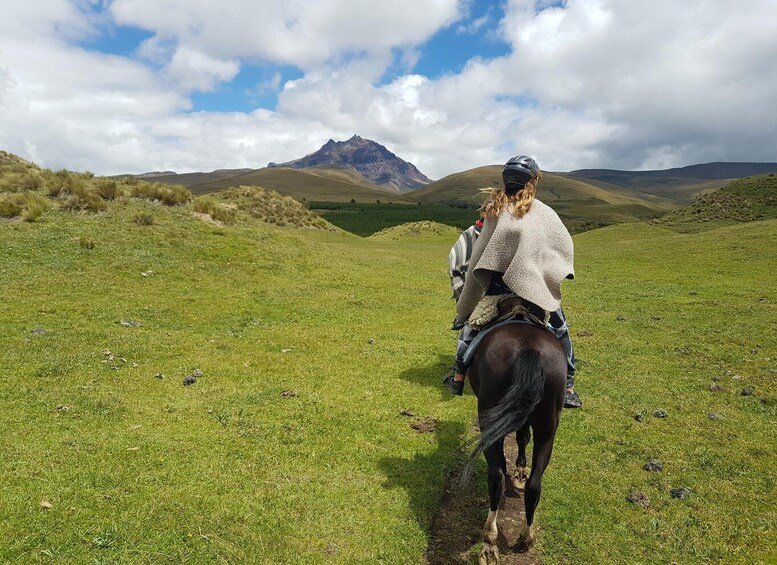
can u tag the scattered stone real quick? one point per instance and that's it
(638, 498)
(762, 299)
(64, 407)
(197, 373)
(714, 416)
(424, 424)
(159, 376)
(748, 391)
(287, 350)
(654, 466)
(123, 359)
(585, 333)
(736, 377)
(135, 365)
(371, 341)
(639, 417)
(289, 393)
(130, 323)
(621, 318)
(660, 414)
(147, 273)
(680, 492)
(189, 380)
(46, 505)
(39, 331)
(715, 388)
(407, 412)
(773, 371)
(107, 353)
(331, 548)
(655, 318)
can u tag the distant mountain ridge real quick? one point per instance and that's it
(371, 159)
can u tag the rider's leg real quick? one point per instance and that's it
(466, 335)
(558, 324)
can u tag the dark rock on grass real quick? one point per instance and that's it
(680, 492)
(39, 331)
(660, 414)
(289, 393)
(159, 376)
(621, 318)
(130, 323)
(714, 416)
(585, 333)
(371, 341)
(424, 424)
(638, 498)
(715, 388)
(654, 466)
(655, 318)
(189, 380)
(748, 391)
(639, 417)
(407, 412)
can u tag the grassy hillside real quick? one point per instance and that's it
(744, 200)
(303, 347)
(331, 184)
(581, 205)
(680, 185)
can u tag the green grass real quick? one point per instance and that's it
(140, 469)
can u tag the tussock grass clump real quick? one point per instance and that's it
(167, 194)
(274, 208)
(218, 212)
(28, 205)
(144, 219)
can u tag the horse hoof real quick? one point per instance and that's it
(519, 478)
(489, 554)
(526, 539)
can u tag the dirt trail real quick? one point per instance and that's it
(458, 524)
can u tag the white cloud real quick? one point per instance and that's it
(588, 83)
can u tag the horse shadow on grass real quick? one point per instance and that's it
(431, 375)
(452, 515)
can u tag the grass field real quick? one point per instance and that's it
(290, 448)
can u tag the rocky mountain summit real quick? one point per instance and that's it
(372, 160)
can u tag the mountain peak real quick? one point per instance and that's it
(369, 158)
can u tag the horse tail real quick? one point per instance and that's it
(513, 410)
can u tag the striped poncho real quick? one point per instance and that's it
(458, 258)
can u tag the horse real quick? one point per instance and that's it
(519, 378)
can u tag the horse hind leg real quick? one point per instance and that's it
(543, 447)
(489, 554)
(521, 475)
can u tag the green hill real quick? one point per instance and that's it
(743, 200)
(679, 185)
(581, 205)
(329, 184)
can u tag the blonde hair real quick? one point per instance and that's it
(519, 203)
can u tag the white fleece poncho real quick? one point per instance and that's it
(534, 252)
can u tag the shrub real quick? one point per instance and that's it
(35, 206)
(108, 189)
(10, 206)
(29, 205)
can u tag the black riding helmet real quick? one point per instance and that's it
(518, 171)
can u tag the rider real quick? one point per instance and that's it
(525, 250)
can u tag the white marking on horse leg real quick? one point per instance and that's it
(490, 531)
(526, 537)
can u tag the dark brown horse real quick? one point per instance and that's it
(519, 377)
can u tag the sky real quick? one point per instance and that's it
(129, 86)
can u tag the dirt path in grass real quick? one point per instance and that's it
(458, 524)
